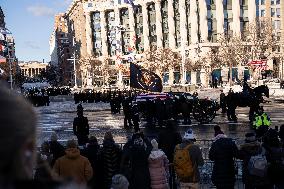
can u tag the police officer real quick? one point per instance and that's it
(261, 122)
(81, 126)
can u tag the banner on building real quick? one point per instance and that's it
(141, 78)
(258, 64)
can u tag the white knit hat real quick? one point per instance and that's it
(188, 135)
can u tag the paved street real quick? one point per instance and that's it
(59, 117)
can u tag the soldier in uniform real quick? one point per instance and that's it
(223, 101)
(81, 126)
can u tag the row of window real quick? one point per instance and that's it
(273, 2)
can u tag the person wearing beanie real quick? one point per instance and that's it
(158, 167)
(250, 148)
(56, 149)
(119, 182)
(223, 151)
(195, 156)
(136, 153)
(109, 158)
(73, 165)
(92, 153)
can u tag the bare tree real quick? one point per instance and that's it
(160, 60)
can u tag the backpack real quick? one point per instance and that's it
(258, 165)
(182, 162)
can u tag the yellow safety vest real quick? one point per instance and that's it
(261, 120)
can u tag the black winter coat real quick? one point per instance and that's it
(246, 151)
(109, 157)
(168, 139)
(140, 175)
(81, 126)
(57, 151)
(222, 152)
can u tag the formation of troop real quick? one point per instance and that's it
(40, 96)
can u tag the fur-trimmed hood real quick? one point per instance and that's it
(155, 154)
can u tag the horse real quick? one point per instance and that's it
(249, 98)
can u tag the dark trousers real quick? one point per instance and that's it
(127, 119)
(82, 139)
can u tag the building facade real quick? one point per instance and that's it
(7, 48)
(32, 69)
(60, 49)
(2, 18)
(120, 32)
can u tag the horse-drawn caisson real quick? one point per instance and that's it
(171, 105)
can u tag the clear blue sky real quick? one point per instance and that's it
(31, 23)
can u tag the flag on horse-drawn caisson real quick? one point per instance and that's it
(141, 78)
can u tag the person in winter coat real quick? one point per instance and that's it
(43, 171)
(250, 148)
(168, 139)
(109, 158)
(275, 156)
(223, 151)
(81, 126)
(196, 158)
(92, 153)
(158, 167)
(45, 151)
(56, 149)
(73, 165)
(119, 182)
(137, 152)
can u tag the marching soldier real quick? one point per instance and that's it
(223, 101)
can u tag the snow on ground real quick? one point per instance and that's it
(70, 106)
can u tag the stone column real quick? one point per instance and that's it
(183, 35)
(172, 41)
(193, 77)
(118, 45)
(171, 25)
(159, 31)
(220, 17)
(203, 20)
(132, 27)
(89, 36)
(104, 33)
(236, 17)
(145, 27)
(193, 20)
(203, 77)
(251, 11)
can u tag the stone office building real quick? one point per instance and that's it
(115, 29)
